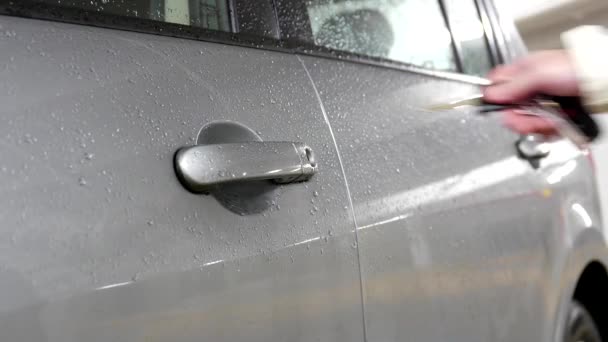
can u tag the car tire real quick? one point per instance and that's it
(580, 326)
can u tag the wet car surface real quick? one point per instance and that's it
(416, 225)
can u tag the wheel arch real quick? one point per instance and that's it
(585, 260)
(592, 292)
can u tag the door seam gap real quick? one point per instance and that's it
(348, 194)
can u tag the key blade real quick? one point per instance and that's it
(475, 100)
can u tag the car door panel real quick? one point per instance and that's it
(453, 227)
(99, 241)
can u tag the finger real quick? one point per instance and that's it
(521, 88)
(503, 73)
(542, 126)
(515, 123)
(522, 123)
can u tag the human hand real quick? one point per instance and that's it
(547, 72)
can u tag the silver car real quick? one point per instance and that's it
(209, 170)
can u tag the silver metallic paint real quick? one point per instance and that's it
(457, 238)
(100, 242)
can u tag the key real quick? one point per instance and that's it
(573, 113)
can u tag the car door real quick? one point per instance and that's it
(456, 232)
(99, 239)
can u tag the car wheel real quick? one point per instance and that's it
(580, 326)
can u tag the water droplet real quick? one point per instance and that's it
(28, 139)
(82, 181)
(150, 222)
(316, 194)
(89, 156)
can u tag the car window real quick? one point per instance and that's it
(469, 36)
(208, 14)
(409, 31)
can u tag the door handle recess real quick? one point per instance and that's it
(202, 167)
(533, 146)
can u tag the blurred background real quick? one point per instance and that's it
(540, 23)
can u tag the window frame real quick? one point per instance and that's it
(490, 32)
(504, 52)
(489, 37)
(34, 10)
(307, 48)
(457, 51)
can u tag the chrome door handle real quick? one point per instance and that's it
(202, 167)
(533, 146)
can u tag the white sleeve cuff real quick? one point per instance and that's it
(588, 46)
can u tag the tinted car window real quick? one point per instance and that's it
(409, 31)
(469, 36)
(208, 14)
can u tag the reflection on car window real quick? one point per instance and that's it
(469, 36)
(363, 31)
(409, 31)
(208, 14)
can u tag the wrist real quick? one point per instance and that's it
(588, 49)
